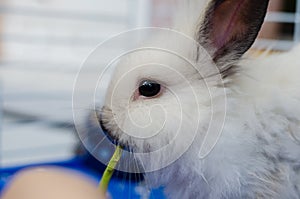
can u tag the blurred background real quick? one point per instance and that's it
(44, 42)
(42, 45)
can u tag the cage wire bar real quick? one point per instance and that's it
(297, 23)
(1, 121)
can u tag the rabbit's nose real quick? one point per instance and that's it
(104, 129)
(114, 139)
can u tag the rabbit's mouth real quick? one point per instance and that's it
(115, 139)
(126, 142)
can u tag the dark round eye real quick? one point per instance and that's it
(148, 88)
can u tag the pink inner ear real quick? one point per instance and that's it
(227, 19)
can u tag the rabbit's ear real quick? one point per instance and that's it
(231, 26)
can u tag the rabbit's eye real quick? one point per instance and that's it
(148, 88)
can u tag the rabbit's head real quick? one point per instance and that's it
(158, 98)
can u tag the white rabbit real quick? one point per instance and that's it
(257, 154)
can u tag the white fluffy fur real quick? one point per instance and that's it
(258, 153)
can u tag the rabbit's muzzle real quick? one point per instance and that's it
(115, 139)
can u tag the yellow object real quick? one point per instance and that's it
(110, 169)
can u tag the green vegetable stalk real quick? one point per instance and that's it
(110, 169)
